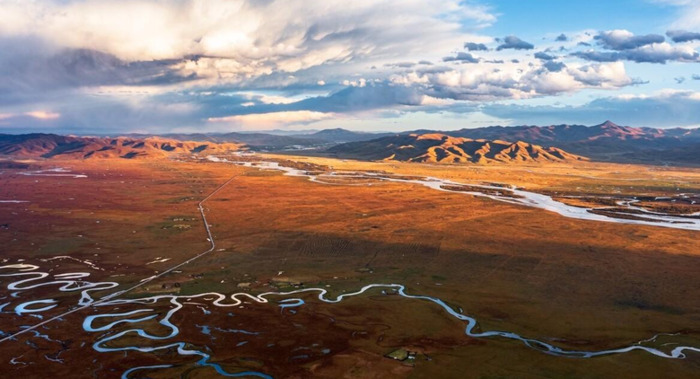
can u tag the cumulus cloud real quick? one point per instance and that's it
(511, 82)
(513, 42)
(245, 37)
(683, 36)
(554, 66)
(562, 38)
(653, 53)
(462, 57)
(626, 40)
(598, 56)
(544, 56)
(66, 52)
(472, 46)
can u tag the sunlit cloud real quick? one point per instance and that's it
(272, 119)
(43, 115)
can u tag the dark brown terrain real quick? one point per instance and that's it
(581, 285)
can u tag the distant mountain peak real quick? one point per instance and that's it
(609, 124)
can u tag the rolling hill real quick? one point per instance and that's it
(52, 145)
(442, 148)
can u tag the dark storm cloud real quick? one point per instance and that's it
(513, 42)
(370, 97)
(471, 46)
(683, 36)
(30, 70)
(462, 57)
(621, 40)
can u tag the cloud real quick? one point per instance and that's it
(472, 46)
(272, 119)
(554, 66)
(400, 65)
(510, 81)
(544, 56)
(513, 42)
(358, 99)
(43, 115)
(663, 109)
(54, 50)
(689, 13)
(247, 37)
(654, 53)
(462, 57)
(598, 56)
(35, 114)
(239, 63)
(683, 36)
(626, 40)
(27, 70)
(696, 77)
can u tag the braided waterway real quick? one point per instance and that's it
(507, 194)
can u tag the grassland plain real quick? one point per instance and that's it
(583, 285)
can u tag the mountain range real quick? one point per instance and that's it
(603, 142)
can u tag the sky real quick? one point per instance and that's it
(137, 66)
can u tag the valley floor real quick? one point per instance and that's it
(575, 284)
